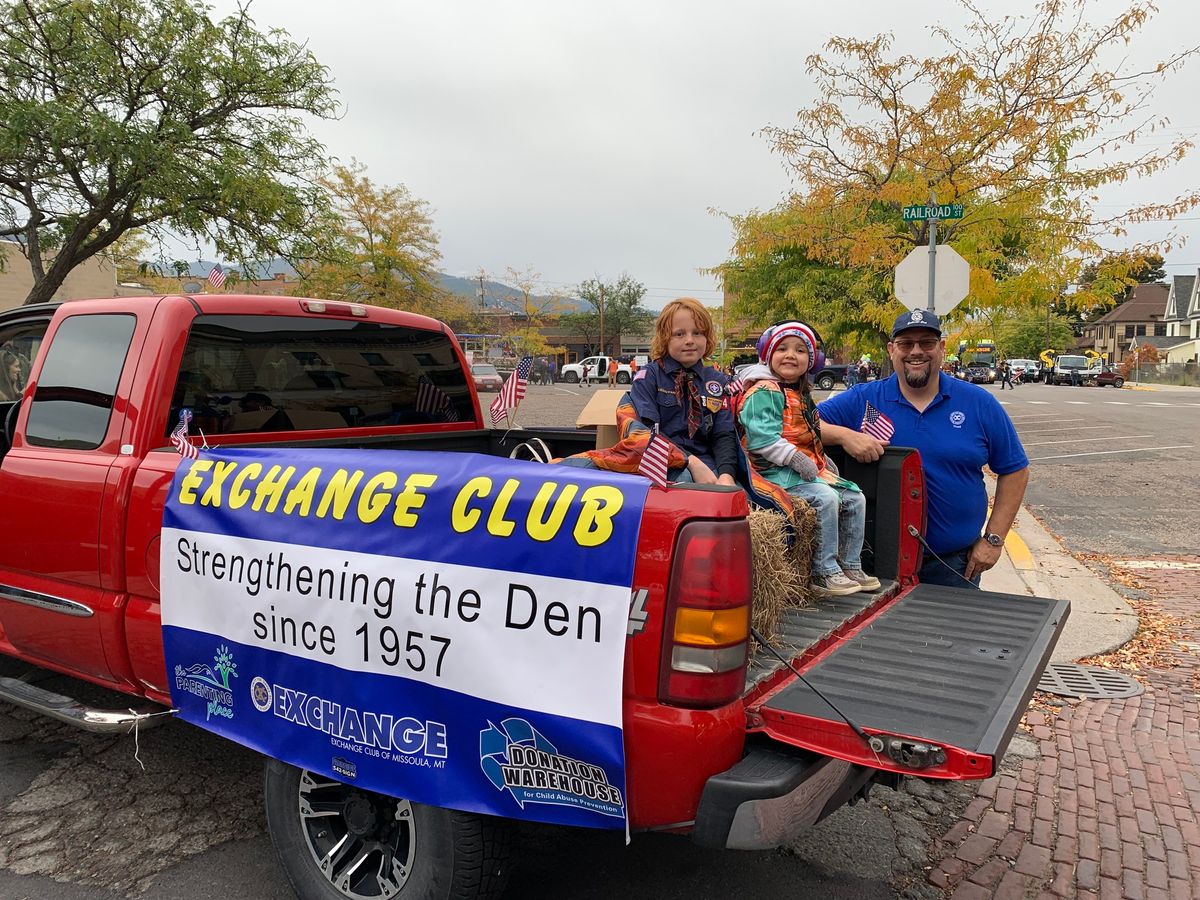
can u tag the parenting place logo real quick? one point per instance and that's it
(210, 682)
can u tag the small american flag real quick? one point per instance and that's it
(654, 460)
(433, 401)
(179, 436)
(735, 387)
(216, 276)
(876, 424)
(513, 392)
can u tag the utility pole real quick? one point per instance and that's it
(482, 305)
(602, 319)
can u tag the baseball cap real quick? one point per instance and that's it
(917, 318)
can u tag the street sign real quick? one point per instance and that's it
(940, 211)
(952, 279)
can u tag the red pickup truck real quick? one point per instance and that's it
(724, 739)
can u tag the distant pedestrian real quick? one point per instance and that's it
(1006, 376)
(585, 373)
(632, 367)
(552, 370)
(612, 371)
(851, 378)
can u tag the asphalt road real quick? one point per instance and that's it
(1112, 472)
(177, 814)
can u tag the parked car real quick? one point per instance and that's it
(486, 377)
(1067, 368)
(831, 373)
(1104, 375)
(1026, 369)
(979, 373)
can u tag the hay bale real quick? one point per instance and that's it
(781, 572)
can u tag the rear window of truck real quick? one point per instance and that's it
(243, 374)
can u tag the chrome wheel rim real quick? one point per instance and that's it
(363, 843)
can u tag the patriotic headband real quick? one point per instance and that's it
(772, 336)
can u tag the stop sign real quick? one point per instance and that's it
(952, 279)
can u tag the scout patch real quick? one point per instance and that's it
(716, 395)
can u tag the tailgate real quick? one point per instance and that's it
(938, 681)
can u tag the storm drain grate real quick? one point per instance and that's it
(1092, 682)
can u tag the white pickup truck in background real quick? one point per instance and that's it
(597, 370)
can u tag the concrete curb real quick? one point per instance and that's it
(1100, 619)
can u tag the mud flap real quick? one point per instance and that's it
(938, 681)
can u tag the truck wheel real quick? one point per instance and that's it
(622, 378)
(571, 378)
(825, 383)
(339, 842)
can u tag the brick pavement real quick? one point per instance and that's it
(1110, 807)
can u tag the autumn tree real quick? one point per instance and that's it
(146, 114)
(1021, 121)
(534, 312)
(623, 313)
(376, 244)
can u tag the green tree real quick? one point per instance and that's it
(624, 314)
(1027, 334)
(376, 244)
(145, 114)
(1015, 121)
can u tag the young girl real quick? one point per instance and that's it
(685, 398)
(783, 439)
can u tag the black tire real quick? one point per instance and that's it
(571, 377)
(1118, 382)
(429, 852)
(825, 382)
(622, 378)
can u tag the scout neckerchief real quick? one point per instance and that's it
(689, 398)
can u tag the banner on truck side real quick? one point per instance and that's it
(444, 627)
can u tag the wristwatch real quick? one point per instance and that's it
(994, 539)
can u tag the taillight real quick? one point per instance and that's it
(706, 639)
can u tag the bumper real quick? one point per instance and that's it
(772, 796)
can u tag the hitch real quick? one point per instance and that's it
(908, 753)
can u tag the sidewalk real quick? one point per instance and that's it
(1100, 799)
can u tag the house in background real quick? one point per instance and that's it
(1141, 316)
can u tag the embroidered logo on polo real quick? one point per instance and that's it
(957, 418)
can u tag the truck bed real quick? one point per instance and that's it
(802, 629)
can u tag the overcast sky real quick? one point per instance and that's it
(584, 139)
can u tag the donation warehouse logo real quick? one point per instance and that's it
(210, 682)
(517, 758)
(402, 739)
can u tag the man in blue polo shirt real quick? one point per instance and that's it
(958, 427)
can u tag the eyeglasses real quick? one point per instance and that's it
(906, 344)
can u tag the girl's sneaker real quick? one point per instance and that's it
(862, 579)
(835, 585)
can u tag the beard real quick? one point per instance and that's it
(918, 379)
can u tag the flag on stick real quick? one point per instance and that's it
(216, 277)
(876, 424)
(654, 459)
(511, 394)
(179, 436)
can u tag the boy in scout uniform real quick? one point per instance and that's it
(685, 398)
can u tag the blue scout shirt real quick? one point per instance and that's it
(654, 400)
(961, 430)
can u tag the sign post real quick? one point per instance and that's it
(909, 284)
